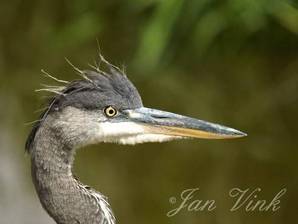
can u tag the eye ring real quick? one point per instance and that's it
(110, 111)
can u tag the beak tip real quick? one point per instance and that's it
(239, 134)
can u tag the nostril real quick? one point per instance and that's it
(158, 116)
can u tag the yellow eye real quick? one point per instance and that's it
(110, 111)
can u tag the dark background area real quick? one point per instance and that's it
(233, 62)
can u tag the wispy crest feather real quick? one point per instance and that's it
(66, 87)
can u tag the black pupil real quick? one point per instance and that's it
(110, 111)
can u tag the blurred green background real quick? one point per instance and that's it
(233, 62)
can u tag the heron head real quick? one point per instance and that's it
(106, 107)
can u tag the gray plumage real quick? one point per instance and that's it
(52, 151)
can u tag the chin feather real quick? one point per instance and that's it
(143, 138)
(126, 133)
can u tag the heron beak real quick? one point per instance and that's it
(166, 123)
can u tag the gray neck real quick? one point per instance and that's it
(65, 199)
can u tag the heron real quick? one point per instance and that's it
(102, 106)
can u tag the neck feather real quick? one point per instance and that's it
(62, 196)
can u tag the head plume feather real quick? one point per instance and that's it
(93, 90)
